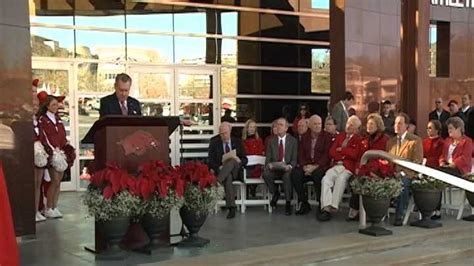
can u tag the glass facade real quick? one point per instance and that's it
(193, 58)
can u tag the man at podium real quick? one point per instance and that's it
(119, 103)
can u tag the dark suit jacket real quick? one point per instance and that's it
(340, 116)
(444, 116)
(321, 150)
(109, 105)
(470, 124)
(291, 151)
(216, 151)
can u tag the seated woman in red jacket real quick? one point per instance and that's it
(457, 153)
(253, 145)
(433, 144)
(52, 134)
(374, 139)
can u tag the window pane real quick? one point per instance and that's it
(149, 16)
(64, 20)
(151, 85)
(189, 50)
(195, 86)
(100, 45)
(115, 21)
(318, 4)
(228, 81)
(263, 53)
(229, 23)
(268, 82)
(52, 42)
(94, 78)
(156, 108)
(149, 48)
(265, 111)
(229, 52)
(199, 113)
(320, 82)
(190, 22)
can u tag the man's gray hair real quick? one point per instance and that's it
(356, 120)
(226, 124)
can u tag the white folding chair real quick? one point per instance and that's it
(254, 160)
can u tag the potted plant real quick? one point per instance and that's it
(109, 200)
(427, 196)
(167, 194)
(470, 197)
(200, 197)
(377, 184)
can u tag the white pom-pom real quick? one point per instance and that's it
(41, 156)
(58, 161)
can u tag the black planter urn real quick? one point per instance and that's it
(470, 199)
(112, 232)
(375, 209)
(193, 223)
(158, 230)
(426, 200)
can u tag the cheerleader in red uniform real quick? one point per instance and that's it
(253, 145)
(41, 157)
(52, 135)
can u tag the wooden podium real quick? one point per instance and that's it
(129, 141)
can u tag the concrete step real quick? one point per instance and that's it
(324, 249)
(427, 252)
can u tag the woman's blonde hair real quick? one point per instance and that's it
(246, 127)
(378, 121)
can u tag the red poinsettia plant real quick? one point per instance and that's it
(377, 179)
(202, 189)
(114, 192)
(377, 169)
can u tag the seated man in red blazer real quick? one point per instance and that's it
(313, 161)
(344, 152)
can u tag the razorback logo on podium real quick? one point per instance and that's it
(138, 143)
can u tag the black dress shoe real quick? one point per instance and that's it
(275, 199)
(436, 217)
(288, 210)
(231, 213)
(398, 221)
(323, 216)
(353, 219)
(304, 209)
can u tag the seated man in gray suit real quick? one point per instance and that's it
(226, 158)
(281, 158)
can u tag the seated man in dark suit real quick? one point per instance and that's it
(281, 158)
(119, 103)
(313, 161)
(228, 170)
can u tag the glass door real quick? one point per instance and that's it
(197, 100)
(56, 79)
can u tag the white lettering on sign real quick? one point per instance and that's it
(454, 3)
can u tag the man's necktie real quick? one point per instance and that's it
(399, 144)
(124, 109)
(227, 148)
(281, 151)
(346, 141)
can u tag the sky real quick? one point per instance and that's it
(186, 47)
